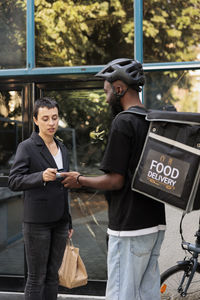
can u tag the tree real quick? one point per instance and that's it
(82, 32)
(171, 34)
(171, 30)
(94, 32)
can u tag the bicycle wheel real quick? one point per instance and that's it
(170, 281)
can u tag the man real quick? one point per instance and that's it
(136, 222)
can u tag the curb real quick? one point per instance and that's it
(20, 296)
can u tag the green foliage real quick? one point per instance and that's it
(171, 30)
(82, 32)
(94, 32)
(171, 34)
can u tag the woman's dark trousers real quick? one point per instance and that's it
(44, 247)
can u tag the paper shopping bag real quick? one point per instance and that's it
(72, 272)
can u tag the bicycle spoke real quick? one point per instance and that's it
(169, 289)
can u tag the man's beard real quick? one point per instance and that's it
(115, 105)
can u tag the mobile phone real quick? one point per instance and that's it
(58, 174)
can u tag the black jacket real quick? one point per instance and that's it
(43, 202)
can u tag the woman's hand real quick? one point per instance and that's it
(49, 174)
(70, 233)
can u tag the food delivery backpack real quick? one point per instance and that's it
(169, 166)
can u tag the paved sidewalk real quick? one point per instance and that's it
(20, 296)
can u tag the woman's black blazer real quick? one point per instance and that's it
(43, 202)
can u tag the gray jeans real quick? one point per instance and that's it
(44, 247)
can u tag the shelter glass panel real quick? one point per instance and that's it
(177, 90)
(83, 127)
(72, 33)
(12, 34)
(171, 30)
(11, 203)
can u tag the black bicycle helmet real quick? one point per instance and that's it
(125, 69)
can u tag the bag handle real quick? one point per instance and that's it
(70, 242)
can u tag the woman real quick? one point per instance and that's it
(47, 221)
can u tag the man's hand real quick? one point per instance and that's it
(110, 181)
(71, 180)
(49, 174)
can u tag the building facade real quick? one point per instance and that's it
(54, 48)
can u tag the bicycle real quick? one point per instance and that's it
(183, 279)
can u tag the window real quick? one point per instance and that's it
(11, 203)
(171, 31)
(12, 34)
(72, 33)
(173, 89)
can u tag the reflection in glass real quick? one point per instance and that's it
(179, 89)
(171, 30)
(11, 203)
(83, 127)
(11, 243)
(12, 34)
(72, 33)
(89, 216)
(10, 128)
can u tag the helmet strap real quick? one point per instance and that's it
(119, 96)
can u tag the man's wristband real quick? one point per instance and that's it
(77, 179)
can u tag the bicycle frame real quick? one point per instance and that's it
(193, 264)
